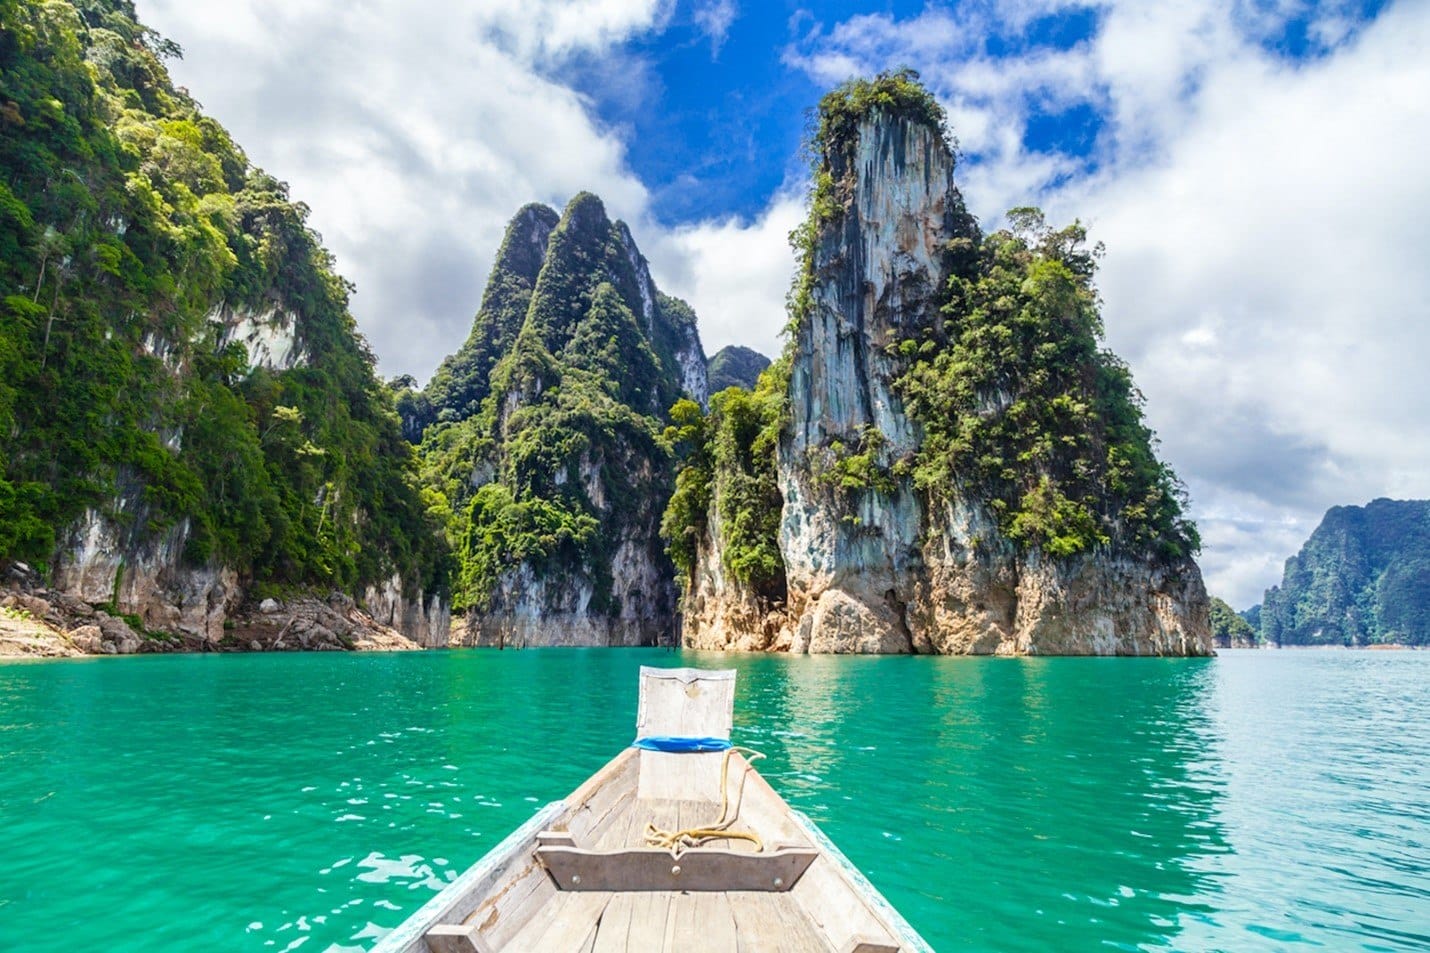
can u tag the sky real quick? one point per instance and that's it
(1256, 170)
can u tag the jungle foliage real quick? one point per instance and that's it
(1230, 630)
(1023, 407)
(728, 457)
(127, 218)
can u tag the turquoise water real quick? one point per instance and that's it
(1257, 801)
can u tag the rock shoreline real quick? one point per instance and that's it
(39, 622)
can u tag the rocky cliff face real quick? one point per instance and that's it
(984, 595)
(722, 612)
(558, 477)
(425, 618)
(886, 545)
(37, 621)
(852, 556)
(146, 578)
(1362, 578)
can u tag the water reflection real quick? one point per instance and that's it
(1055, 794)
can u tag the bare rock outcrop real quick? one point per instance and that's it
(309, 623)
(426, 622)
(100, 564)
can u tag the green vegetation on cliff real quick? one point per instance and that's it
(562, 460)
(462, 381)
(130, 224)
(1362, 578)
(1022, 407)
(897, 94)
(729, 458)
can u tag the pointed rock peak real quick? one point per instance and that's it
(638, 261)
(880, 150)
(461, 383)
(735, 366)
(524, 246)
(586, 212)
(894, 99)
(645, 285)
(536, 212)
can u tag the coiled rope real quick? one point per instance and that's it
(679, 841)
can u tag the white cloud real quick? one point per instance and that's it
(715, 17)
(555, 27)
(735, 273)
(1266, 223)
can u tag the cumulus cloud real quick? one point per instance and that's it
(1266, 226)
(548, 28)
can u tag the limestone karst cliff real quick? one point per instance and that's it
(955, 464)
(545, 431)
(1362, 578)
(188, 413)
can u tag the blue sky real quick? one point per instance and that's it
(723, 113)
(1254, 167)
(714, 119)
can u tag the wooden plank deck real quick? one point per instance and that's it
(606, 922)
(667, 922)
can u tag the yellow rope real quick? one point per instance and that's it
(678, 841)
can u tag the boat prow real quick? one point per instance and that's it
(664, 848)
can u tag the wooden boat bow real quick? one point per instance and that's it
(580, 876)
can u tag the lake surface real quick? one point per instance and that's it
(1256, 801)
